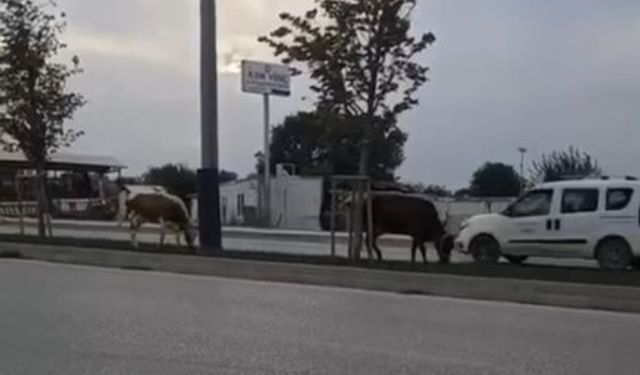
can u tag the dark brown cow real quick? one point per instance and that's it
(161, 208)
(410, 215)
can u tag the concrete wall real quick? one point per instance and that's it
(296, 202)
(231, 194)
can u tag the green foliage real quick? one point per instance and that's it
(227, 176)
(559, 165)
(321, 144)
(360, 55)
(495, 180)
(437, 191)
(179, 179)
(462, 193)
(35, 100)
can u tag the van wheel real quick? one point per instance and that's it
(516, 259)
(614, 254)
(636, 263)
(485, 249)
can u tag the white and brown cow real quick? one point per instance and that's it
(161, 208)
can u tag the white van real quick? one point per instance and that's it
(593, 219)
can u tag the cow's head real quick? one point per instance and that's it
(444, 246)
(190, 236)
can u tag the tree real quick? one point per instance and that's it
(495, 180)
(462, 193)
(179, 179)
(437, 191)
(572, 163)
(319, 145)
(35, 100)
(227, 176)
(360, 54)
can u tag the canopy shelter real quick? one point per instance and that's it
(77, 183)
(65, 162)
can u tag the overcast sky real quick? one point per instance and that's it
(504, 74)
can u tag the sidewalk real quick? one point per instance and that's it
(613, 298)
(235, 232)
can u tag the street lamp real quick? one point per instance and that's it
(522, 152)
(208, 176)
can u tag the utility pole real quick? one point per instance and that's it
(266, 203)
(522, 151)
(208, 175)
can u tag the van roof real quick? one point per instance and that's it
(586, 183)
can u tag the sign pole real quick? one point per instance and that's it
(267, 163)
(266, 79)
(208, 176)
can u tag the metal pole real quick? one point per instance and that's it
(370, 238)
(333, 217)
(267, 163)
(352, 212)
(20, 204)
(522, 151)
(208, 176)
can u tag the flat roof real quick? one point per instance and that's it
(65, 161)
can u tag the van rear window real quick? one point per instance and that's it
(618, 199)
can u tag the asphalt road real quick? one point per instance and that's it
(57, 319)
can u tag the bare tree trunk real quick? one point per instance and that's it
(363, 170)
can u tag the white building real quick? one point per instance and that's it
(295, 202)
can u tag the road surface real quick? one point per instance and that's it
(58, 319)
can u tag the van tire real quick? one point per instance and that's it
(614, 253)
(485, 249)
(636, 263)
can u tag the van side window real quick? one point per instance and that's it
(579, 200)
(535, 203)
(618, 199)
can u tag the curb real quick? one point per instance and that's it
(560, 294)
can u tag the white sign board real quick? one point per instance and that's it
(264, 78)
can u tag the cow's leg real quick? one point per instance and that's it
(423, 250)
(367, 247)
(374, 243)
(376, 248)
(414, 246)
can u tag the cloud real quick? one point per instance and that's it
(504, 74)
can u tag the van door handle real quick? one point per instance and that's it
(557, 224)
(549, 225)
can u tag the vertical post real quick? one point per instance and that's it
(353, 208)
(522, 151)
(208, 176)
(20, 205)
(333, 217)
(369, 217)
(267, 164)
